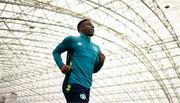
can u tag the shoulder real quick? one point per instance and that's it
(70, 38)
(95, 44)
(96, 47)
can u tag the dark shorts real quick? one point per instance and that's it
(75, 93)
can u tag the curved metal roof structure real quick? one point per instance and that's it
(140, 39)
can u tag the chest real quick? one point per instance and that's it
(85, 49)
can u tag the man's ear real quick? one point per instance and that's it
(80, 29)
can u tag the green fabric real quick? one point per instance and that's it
(85, 60)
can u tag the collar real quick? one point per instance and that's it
(85, 37)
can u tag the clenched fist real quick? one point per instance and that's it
(65, 69)
(102, 57)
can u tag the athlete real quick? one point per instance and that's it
(83, 59)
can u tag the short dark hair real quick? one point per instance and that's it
(79, 24)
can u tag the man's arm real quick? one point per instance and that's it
(62, 47)
(99, 62)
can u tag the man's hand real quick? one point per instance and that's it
(102, 57)
(65, 69)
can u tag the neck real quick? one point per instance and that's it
(85, 36)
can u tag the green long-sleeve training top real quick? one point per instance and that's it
(85, 60)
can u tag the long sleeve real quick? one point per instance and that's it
(62, 47)
(98, 64)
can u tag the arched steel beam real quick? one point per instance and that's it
(161, 16)
(144, 26)
(155, 8)
(162, 45)
(38, 22)
(136, 53)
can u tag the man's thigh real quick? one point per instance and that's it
(78, 94)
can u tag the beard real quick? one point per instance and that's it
(91, 32)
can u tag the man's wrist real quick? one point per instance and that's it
(101, 61)
(61, 66)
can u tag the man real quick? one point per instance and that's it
(83, 59)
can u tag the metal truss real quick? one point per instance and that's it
(135, 50)
(155, 8)
(143, 25)
(161, 16)
(132, 45)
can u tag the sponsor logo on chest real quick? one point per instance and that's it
(79, 43)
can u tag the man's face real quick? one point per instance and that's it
(87, 28)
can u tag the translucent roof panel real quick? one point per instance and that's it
(140, 39)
